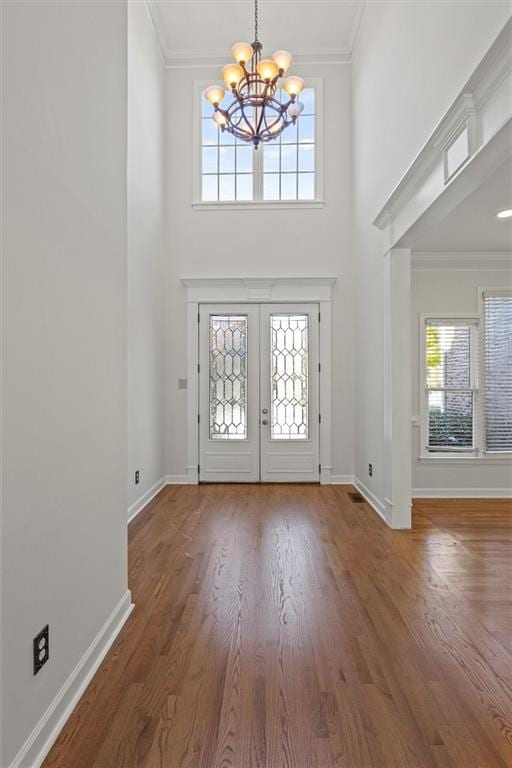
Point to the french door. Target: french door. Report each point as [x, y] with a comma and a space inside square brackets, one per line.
[258, 393]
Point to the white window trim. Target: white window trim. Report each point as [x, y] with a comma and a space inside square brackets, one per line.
[478, 454]
[244, 205]
[454, 455]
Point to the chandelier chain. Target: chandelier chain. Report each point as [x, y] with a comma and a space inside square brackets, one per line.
[256, 21]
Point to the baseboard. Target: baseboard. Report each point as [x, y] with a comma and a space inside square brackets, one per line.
[146, 497]
[462, 493]
[342, 479]
[42, 738]
[371, 498]
[178, 480]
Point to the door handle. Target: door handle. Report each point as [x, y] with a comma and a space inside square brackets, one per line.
[265, 422]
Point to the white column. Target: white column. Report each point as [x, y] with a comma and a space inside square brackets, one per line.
[397, 386]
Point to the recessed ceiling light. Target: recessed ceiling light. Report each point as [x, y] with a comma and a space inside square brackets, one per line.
[506, 214]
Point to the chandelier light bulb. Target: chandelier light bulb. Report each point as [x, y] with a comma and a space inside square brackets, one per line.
[232, 74]
[295, 109]
[293, 85]
[219, 118]
[214, 94]
[267, 69]
[283, 59]
[242, 52]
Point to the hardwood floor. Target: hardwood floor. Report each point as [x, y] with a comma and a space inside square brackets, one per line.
[285, 626]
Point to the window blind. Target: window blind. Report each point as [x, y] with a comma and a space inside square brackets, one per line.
[498, 371]
[451, 372]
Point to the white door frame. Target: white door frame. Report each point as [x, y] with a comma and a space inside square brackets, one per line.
[294, 290]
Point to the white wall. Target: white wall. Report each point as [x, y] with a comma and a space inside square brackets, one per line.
[400, 92]
[448, 292]
[260, 243]
[146, 191]
[63, 341]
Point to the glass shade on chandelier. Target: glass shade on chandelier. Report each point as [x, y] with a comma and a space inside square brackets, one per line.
[255, 113]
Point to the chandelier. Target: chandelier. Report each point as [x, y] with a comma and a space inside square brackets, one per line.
[256, 114]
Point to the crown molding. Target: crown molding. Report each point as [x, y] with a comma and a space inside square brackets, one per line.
[187, 58]
[453, 261]
[357, 25]
[157, 27]
[154, 30]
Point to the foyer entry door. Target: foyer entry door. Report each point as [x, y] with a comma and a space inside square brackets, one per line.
[258, 393]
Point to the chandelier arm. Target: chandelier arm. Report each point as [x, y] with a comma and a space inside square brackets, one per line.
[239, 133]
[241, 102]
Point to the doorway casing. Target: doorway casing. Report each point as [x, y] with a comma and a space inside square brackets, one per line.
[281, 290]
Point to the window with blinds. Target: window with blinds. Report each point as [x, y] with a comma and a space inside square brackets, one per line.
[451, 370]
[497, 310]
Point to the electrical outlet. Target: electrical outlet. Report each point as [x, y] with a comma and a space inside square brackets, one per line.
[370, 470]
[137, 477]
[41, 648]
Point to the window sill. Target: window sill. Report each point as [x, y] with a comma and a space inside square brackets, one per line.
[501, 459]
[251, 205]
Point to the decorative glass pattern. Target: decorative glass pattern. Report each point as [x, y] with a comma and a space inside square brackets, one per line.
[228, 377]
[289, 367]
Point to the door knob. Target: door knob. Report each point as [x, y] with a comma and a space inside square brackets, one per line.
[265, 422]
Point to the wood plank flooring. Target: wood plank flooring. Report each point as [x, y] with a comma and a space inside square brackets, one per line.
[287, 627]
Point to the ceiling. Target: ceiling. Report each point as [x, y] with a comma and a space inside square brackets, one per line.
[203, 31]
[472, 226]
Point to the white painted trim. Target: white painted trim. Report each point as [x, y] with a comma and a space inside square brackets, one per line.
[484, 105]
[258, 205]
[40, 741]
[357, 26]
[157, 25]
[372, 499]
[397, 388]
[462, 493]
[342, 480]
[474, 320]
[189, 58]
[154, 31]
[279, 290]
[138, 506]
[326, 377]
[453, 261]
[497, 460]
[180, 480]
[219, 290]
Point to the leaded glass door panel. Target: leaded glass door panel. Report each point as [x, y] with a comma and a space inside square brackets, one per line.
[258, 393]
[289, 434]
[229, 392]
